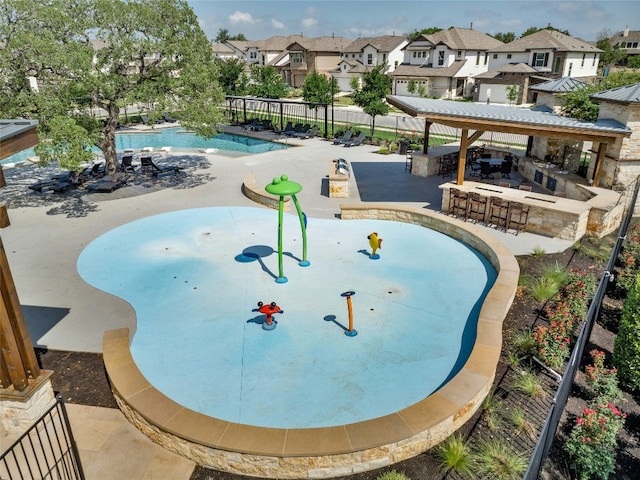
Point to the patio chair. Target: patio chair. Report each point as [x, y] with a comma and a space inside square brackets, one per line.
[345, 138]
[517, 217]
[297, 128]
[288, 128]
[476, 207]
[458, 202]
[251, 126]
[126, 165]
[356, 142]
[109, 183]
[149, 166]
[167, 118]
[506, 167]
[498, 209]
[264, 125]
[312, 132]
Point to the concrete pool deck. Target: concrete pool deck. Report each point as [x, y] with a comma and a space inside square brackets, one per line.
[65, 313]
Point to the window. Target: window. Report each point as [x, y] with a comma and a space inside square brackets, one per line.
[595, 57]
[495, 56]
[540, 59]
[441, 57]
[414, 54]
[584, 55]
[478, 58]
[297, 57]
[635, 45]
[556, 67]
[395, 64]
[570, 68]
[486, 57]
[384, 58]
[459, 54]
[508, 56]
[369, 58]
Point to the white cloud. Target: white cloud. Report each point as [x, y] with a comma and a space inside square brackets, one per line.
[241, 17]
[309, 22]
[276, 24]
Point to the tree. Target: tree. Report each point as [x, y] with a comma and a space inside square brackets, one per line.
[505, 37]
[233, 78]
[531, 30]
[222, 36]
[266, 82]
[318, 90]
[578, 103]
[425, 31]
[376, 85]
[512, 93]
[106, 54]
[412, 87]
[354, 83]
[633, 61]
[610, 55]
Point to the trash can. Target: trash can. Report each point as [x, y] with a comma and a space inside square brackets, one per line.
[403, 147]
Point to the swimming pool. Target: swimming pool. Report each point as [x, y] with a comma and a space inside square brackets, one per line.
[177, 138]
[200, 342]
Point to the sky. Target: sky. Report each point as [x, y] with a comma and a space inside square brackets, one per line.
[261, 19]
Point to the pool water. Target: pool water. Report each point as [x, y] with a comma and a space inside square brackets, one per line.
[177, 138]
[199, 339]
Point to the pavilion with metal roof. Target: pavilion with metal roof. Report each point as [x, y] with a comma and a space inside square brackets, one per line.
[479, 118]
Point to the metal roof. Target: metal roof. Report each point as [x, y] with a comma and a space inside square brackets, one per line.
[627, 94]
[13, 128]
[505, 118]
[559, 85]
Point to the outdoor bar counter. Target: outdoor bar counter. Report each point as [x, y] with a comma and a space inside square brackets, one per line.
[550, 215]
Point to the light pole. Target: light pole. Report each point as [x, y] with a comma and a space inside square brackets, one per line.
[331, 87]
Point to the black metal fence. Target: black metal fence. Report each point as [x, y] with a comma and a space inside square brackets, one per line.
[559, 402]
[46, 451]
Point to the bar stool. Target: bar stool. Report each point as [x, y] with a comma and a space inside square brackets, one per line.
[498, 210]
[476, 207]
[458, 202]
[517, 217]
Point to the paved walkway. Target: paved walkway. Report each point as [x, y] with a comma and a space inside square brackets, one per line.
[64, 313]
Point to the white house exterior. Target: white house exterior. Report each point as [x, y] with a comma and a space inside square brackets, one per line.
[546, 53]
[365, 53]
[444, 64]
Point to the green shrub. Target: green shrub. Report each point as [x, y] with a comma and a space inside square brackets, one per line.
[498, 461]
[626, 347]
[384, 151]
[538, 252]
[523, 343]
[557, 273]
[454, 454]
[524, 427]
[528, 383]
[593, 441]
[543, 288]
[392, 475]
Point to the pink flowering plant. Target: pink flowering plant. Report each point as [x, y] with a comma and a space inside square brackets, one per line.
[593, 441]
[629, 259]
[602, 381]
[568, 307]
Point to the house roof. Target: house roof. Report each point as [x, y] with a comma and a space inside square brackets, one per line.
[354, 66]
[277, 43]
[508, 68]
[547, 40]
[240, 45]
[321, 44]
[526, 121]
[632, 36]
[384, 43]
[221, 48]
[627, 94]
[405, 70]
[559, 85]
[457, 38]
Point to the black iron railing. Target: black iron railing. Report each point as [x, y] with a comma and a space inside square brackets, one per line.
[45, 451]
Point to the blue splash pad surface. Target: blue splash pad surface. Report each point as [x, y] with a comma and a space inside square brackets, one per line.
[194, 278]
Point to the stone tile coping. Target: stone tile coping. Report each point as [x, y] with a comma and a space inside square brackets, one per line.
[339, 450]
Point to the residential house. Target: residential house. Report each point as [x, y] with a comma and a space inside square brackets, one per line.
[223, 51]
[549, 54]
[627, 40]
[264, 52]
[361, 55]
[306, 55]
[239, 47]
[443, 64]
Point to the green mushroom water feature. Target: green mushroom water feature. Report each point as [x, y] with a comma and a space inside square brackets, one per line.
[281, 187]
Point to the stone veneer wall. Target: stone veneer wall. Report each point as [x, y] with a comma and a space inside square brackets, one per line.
[19, 412]
[343, 450]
